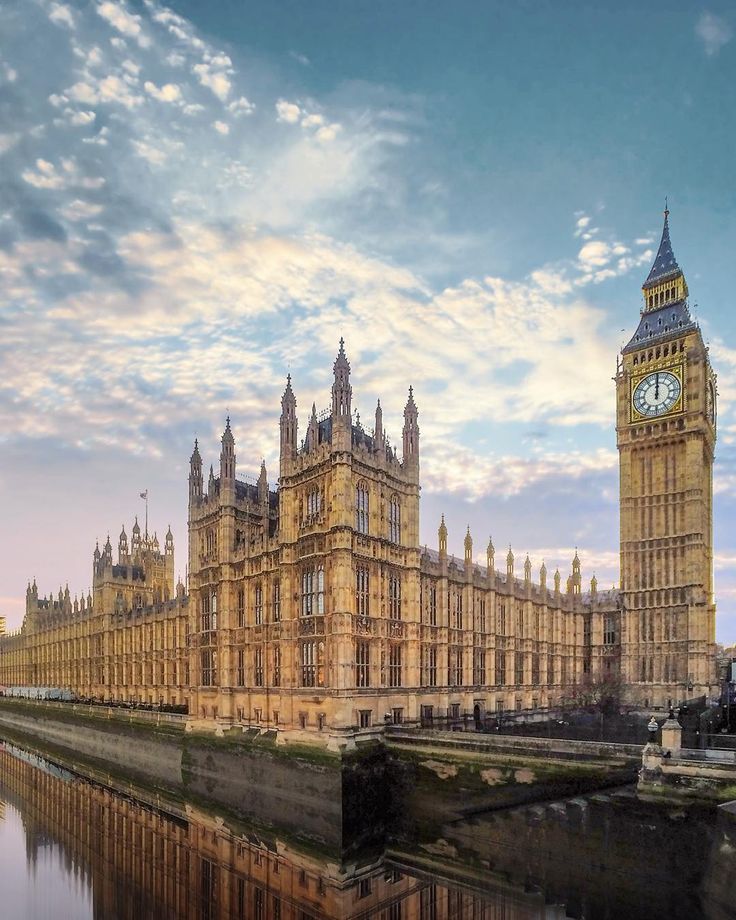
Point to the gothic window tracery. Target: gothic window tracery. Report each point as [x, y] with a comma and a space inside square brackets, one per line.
[361, 508]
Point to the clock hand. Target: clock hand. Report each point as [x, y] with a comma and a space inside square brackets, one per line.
[656, 387]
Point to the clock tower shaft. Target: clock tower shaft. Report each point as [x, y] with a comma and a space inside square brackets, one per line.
[666, 440]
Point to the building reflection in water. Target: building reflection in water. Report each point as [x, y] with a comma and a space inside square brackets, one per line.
[139, 859]
[107, 853]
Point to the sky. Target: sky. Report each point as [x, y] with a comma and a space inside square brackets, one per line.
[197, 199]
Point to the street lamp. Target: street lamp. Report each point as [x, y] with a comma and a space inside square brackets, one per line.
[652, 728]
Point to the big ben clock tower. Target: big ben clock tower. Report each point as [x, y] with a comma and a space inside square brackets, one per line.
[666, 432]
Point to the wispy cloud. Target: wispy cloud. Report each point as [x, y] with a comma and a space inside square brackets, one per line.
[713, 32]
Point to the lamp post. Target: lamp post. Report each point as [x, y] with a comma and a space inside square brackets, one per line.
[652, 728]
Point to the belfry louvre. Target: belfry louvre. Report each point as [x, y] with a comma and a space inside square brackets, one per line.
[313, 607]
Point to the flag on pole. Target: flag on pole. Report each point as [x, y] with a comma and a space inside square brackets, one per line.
[144, 495]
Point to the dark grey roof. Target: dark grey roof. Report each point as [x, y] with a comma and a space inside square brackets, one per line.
[665, 264]
[665, 322]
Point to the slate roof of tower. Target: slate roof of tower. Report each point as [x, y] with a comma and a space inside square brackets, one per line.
[667, 321]
[665, 264]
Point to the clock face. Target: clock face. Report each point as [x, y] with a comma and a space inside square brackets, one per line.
[656, 394]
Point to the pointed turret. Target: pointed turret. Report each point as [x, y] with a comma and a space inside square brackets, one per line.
[665, 297]
[312, 430]
[263, 484]
[442, 538]
[211, 489]
[510, 563]
[576, 578]
[527, 569]
[136, 544]
[342, 394]
[195, 475]
[665, 265]
[288, 422]
[169, 544]
[558, 578]
[593, 586]
[411, 433]
[490, 558]
[543, 576]
[227, 465]
[468, 545]
[379, 442]
[107, 551]
[123, 547]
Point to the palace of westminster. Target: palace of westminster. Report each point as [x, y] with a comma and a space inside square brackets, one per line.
[312, 607]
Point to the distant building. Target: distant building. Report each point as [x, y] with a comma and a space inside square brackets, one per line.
[313, 607]
[2, 626]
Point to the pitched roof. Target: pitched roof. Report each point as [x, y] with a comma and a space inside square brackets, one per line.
[665, 264]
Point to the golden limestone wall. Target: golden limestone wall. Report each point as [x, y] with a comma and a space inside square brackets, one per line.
[314, 608]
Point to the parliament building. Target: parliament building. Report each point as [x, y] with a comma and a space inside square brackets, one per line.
[311, 605]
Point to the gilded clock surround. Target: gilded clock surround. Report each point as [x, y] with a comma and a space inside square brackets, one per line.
[677, 371]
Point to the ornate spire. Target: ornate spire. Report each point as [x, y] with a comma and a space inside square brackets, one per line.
[468, 547]
[665, 264]
[342, 392]
[442, 537]
[288, 422]
[527, 568]
[411, 431]
[378, 440]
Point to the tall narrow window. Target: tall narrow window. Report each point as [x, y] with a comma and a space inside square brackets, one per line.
[240, 674]
[479, 667]
[258, 668]
[312, 663]
[276, 601]
[313, 591]
[394, 520]
[314, 503]
[432, 604]
[206, 615]
[394, 665]
[500, 667]
[362, 591]
[458, 609]
[394, 597]
[361, 508]
[362, 663]
[209, 667]
[241, 607]
[277, 666]
[258, 607]
[430, 666]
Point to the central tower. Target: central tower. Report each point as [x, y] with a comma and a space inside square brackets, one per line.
[666, 431]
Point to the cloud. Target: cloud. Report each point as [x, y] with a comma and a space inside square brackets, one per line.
[214, 79]
[61, 15]
[169, 92]
[713, 31]
[221, 127]
[241, 106]
[288, 112]
[126, 23]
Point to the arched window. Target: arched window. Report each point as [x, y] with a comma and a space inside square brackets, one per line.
[394, 520]
[312, 663]
[362, 591]
[313, 591]
[394, 597]
[314, 503]
[361, 508]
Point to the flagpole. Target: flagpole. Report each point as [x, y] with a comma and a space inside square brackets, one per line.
[146, 515]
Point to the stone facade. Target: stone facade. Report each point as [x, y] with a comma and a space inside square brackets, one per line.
[312, 606]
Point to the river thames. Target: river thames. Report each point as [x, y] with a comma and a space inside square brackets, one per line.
[76, 845]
